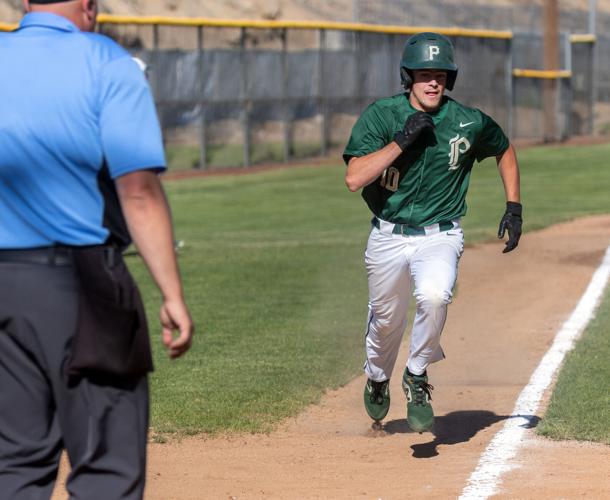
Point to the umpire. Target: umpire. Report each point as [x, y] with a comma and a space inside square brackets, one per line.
[74, 350]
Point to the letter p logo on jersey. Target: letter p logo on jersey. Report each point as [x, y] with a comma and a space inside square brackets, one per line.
[455, 150]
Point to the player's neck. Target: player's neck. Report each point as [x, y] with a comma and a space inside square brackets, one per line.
[418, 106]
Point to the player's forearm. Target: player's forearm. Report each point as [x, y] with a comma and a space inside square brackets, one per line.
[363, 170]
[508, 167]
[148, 218]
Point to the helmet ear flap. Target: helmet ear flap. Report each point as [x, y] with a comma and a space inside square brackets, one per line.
[451, 77]
[405, 78]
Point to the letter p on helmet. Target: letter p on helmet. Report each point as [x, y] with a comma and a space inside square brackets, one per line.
[433, 50]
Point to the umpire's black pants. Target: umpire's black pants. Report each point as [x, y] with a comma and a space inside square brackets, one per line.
[102, 427]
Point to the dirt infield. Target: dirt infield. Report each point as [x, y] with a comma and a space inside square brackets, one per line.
[503, 319]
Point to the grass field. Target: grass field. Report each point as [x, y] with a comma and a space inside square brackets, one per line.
[181, 157]
[273, 271]
[580, 405]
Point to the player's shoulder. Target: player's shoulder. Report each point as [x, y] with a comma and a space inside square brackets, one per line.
[387, 107]
[390, 103]
[468, 114]
[461, 110]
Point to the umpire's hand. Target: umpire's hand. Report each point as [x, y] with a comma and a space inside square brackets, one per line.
[511, 222]
[175, 317]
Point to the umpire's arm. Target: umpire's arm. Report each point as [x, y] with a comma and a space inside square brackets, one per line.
[149, 220]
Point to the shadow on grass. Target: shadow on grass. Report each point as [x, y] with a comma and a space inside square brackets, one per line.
[454, 428]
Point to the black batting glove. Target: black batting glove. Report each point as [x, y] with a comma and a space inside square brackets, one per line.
[511, 222]
[414, 126]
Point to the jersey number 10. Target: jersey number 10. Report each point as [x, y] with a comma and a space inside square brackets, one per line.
[389, 179]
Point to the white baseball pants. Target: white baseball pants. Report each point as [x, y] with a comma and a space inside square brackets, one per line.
[398, 266]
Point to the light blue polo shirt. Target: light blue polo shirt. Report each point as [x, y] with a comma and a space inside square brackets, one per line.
[68, 102]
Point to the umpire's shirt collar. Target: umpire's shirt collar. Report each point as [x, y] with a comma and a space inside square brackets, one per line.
[47, 20]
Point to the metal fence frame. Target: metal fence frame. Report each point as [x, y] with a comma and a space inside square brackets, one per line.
[513, 73]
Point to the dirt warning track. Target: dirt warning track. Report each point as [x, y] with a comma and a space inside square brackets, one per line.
[505, 314]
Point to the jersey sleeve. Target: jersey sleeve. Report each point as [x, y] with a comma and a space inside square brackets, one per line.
[129, 127]
[492, 141]
[369, 134]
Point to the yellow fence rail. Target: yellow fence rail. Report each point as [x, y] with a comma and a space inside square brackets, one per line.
[305, 25]
[583, 38]
[541, 74]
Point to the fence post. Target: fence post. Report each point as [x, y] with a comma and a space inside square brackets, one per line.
[322, 92]
[593, 58]
[245, 102]
[550, 86]
[285, 114]
[156, 72]
[389, 45]
[155, 60]
[155, 78]
[202, 110]
[569, 97]
[510, 90]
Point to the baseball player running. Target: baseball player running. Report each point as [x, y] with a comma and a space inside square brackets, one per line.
[412, 155]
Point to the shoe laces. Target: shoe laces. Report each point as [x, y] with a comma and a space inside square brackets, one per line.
[377, 392]
[422, 388]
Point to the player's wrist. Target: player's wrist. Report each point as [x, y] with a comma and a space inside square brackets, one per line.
[514, 208]
[402, 140]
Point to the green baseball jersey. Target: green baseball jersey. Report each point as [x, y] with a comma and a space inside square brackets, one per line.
[428, 182]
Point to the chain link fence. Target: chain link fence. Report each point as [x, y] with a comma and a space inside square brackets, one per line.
[243, 94]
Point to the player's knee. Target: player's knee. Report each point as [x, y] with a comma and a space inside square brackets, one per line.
[432, 296]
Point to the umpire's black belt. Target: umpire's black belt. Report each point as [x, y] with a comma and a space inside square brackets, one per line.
[408, 230]
[49, 256]
[58, 255]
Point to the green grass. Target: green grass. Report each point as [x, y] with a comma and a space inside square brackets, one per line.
[558, 183]
[580, 405]
[183, 157]
[273, 272]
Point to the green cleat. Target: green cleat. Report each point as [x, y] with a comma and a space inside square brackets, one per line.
[420, 416]
[377, 399]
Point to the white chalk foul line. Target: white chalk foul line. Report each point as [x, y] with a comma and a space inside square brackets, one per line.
[496, 459]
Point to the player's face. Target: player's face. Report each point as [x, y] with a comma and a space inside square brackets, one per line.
[427, 89]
